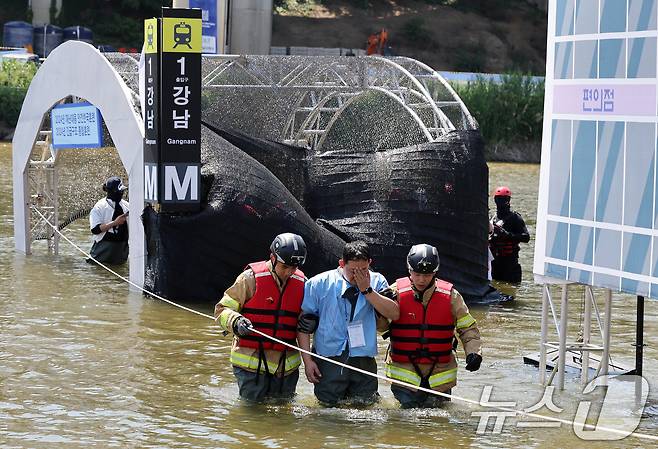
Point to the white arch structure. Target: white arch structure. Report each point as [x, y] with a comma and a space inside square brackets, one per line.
[76, 68]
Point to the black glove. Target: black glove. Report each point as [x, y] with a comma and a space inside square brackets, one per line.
[307, 323]
[473, 362]
[242, 327]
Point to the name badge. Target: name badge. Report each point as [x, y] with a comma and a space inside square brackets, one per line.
[355, 334]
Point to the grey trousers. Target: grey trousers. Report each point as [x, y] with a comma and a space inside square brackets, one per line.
[417, 399]
[257, 387]
[339, 384]
[109, 252]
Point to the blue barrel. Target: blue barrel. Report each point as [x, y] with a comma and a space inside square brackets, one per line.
[17, 34]
[78, 33]
[46, 38]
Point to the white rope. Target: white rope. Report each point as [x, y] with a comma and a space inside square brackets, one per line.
[117, 274]
[353, 368]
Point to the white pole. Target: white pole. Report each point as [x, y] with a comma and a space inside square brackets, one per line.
[222, 26]
[564, 313]
[544, 335]
[589, 297]
[55, 187]
[605, 357]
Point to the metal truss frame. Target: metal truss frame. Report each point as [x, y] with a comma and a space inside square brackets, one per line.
[328, 85]
[44, 192]
[583, 344]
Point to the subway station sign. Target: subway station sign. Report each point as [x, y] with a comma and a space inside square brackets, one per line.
[172, 115]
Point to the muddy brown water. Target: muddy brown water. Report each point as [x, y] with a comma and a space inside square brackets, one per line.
[86, 362]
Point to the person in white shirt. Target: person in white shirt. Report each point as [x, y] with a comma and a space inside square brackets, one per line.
[109, 226]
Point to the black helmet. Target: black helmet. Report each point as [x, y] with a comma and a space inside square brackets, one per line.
[114, 184]
[289, 249]
[423, 259]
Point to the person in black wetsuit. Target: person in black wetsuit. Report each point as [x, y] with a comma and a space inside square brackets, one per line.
[509, 230]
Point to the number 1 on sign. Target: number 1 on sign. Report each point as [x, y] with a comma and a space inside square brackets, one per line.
[181, 61]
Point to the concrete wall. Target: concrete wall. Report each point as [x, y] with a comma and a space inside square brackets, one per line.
[41, 11]
[250, 27]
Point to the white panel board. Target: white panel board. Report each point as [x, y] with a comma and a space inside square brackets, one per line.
[596, 220]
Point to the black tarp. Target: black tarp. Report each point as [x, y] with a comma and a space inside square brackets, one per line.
[196, 257]
[255, 188]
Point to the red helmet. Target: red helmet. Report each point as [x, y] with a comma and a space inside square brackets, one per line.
[503, 191]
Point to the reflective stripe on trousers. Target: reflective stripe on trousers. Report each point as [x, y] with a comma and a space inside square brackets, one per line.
[251, 363]
[411, 377]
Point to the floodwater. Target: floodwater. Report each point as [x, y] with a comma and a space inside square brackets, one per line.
[84, 361]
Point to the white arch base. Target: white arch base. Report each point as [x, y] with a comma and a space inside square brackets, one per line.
[77, 68]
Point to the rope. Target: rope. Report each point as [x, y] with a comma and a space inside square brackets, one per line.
[70, 219]
[353, 368]
[139, 287]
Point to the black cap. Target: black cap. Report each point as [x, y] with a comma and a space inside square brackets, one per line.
[423, 259]
[289, 249]
[114, 184]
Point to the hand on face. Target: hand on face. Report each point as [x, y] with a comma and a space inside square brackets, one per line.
[362, 278]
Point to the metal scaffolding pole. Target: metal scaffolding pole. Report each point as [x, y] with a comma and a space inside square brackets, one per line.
[587, 327]
[544, 334]
[564, 317]
[605, 357]
[639, 335]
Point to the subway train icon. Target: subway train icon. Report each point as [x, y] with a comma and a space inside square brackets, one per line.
[149, 35]
[182, 34]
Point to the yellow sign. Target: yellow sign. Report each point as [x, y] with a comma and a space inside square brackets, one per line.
[151, 36]
[180, 35]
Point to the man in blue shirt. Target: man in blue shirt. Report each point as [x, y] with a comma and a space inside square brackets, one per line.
[341, 306]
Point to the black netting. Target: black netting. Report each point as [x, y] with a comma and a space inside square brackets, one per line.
[433, 193]
[334, 149]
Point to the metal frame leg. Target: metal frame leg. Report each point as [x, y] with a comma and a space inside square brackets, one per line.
[587, 328]
[544, 335]
[605, 357]
[564, 314]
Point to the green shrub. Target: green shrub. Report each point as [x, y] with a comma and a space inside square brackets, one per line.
[414, 30]
[15, 78]
[470, 57]
[510, 111]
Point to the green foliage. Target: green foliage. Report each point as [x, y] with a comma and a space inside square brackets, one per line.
[470, 57]
[119, 22]
[302, 7]
[14, 10]
[15, 78]
[508, 112]
[414, 30]
[493, 9]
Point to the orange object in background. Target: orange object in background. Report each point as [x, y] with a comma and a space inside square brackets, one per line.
[377, 43]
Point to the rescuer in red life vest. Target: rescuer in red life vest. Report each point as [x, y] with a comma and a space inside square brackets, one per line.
[421, 352]
[266, 296]
[509, 230]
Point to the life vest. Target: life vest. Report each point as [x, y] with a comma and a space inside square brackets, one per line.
[502, 246]
[423, 334]
[272, 312]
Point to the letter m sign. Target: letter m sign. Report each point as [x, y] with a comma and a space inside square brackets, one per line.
[181, 183]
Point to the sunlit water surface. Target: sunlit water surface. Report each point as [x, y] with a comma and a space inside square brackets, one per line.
[84, 361]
